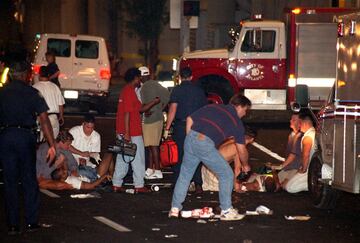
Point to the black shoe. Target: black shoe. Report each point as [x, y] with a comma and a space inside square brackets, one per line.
[32, 227]
[14, 230]
[244, 176]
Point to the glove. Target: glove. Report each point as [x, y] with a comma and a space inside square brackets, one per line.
[166, 133]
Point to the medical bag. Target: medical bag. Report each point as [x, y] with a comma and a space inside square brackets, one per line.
[169, 154]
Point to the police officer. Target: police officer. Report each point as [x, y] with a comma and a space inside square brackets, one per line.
[20, 104]
[184, 100]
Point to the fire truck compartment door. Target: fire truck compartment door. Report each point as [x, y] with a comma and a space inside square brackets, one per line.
[346, 155]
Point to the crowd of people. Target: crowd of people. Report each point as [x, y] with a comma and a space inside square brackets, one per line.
[211, 138]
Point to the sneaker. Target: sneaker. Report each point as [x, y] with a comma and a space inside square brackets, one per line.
[206, 213]
[230, 215]
[149, 172]
[157, 174]
[174, 213]
[118, 189]
[142, 190]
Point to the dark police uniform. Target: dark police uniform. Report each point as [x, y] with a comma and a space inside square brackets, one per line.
[189, 98]
[19, 106]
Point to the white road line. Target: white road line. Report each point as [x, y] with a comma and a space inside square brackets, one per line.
[49, 193]
[112, 224]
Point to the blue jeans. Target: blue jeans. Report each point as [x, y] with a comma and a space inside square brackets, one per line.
[201, 148]
[88, 172]
[138, 165]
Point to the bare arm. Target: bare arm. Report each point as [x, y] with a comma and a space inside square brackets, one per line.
[61, 115]
[171, 115]
[243, 156]
[189, 123]
[53, 185]
[306, 144]
[49, 136]
[151, 104]
[89, 186]
[74, 150]
[55, 75]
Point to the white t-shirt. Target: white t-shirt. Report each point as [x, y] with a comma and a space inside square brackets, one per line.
[51, 94]
[85, 143]
[74, 181]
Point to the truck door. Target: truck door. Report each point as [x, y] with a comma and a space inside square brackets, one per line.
[62, 49]
[86, 64]
[261, 67]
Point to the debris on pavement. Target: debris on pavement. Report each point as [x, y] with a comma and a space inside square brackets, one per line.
[263, 210]
[155, 229]
[201, 221]
[86, 195]
[186, 214]
[46, 225]
[171, 236]
[298, 217]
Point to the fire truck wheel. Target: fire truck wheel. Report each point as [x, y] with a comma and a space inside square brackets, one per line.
[323, 196]
[214, 84]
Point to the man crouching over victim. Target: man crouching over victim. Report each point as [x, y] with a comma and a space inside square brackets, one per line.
[207, 128]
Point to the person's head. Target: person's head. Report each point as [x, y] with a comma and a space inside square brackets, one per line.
[59, 174]
[88, 124]
[241, 103]
[270, 184]
[19, 70]
[306, 122]
[185, 74]
[64, 140]
[294, 122]
[133, 76]
[145, 73]
[50, 57]
[43, 73]
[250, 135]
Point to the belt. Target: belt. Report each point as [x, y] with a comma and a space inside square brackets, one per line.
[53, 113]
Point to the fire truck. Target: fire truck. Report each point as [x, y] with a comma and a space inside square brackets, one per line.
[269, 58]
[335, 167]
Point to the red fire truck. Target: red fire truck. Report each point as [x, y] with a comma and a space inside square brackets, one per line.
[269, 58]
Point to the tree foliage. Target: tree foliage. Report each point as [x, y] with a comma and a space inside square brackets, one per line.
[145, 19]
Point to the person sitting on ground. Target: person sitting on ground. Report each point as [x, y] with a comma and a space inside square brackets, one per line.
[61, 174]
[228, 150]
[53, 98]
[298, 182]
[86, 145]
[65, 159]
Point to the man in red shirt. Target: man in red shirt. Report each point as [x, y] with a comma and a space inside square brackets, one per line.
[128, 123]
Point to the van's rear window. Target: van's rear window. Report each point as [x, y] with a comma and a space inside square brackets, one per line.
[87, 49]
[60, 47]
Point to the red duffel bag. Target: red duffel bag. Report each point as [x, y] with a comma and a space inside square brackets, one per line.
[169, 154]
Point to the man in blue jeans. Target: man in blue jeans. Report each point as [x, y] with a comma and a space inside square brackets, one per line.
[206, 129]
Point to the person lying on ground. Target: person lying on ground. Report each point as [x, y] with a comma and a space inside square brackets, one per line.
[61, 175]
[258, 183]
[229, 152]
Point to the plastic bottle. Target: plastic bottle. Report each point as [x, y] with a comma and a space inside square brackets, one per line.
[131, 191]
[155, 188]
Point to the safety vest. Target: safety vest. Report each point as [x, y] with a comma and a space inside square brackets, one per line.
[4, 77]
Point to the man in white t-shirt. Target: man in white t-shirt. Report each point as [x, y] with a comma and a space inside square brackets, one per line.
[86, 143]
[53, 98]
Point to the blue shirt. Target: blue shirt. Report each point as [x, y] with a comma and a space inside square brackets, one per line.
[189, 98]
[20, 104]
[219, 122]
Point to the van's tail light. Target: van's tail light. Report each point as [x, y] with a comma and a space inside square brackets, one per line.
[36, 68]
[105, 73]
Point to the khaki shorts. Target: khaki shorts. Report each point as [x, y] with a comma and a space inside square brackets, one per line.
[152, 133]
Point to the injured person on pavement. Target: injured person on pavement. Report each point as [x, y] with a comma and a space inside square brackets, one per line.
[229, 152]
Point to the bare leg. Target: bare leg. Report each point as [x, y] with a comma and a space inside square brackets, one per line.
[154, 150]
[106, 164]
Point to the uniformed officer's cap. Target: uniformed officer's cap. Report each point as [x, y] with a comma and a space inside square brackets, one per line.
[19, 67]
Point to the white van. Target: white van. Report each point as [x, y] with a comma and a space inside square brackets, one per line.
[83, 62]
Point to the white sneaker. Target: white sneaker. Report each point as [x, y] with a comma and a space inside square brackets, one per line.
[156, 175]
[174, 213]
[149, 172]
[230, 215]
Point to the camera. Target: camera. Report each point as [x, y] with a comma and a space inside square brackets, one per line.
[123, 147]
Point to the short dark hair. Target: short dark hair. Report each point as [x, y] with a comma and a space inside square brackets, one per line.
[43, 72]
[64, 136]
[240, 100]
[250, 132]
[185, 73]
[89, 118]
[55, 175]
[305, 116]
[131, 73]
[270, 184]
[50, 53]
